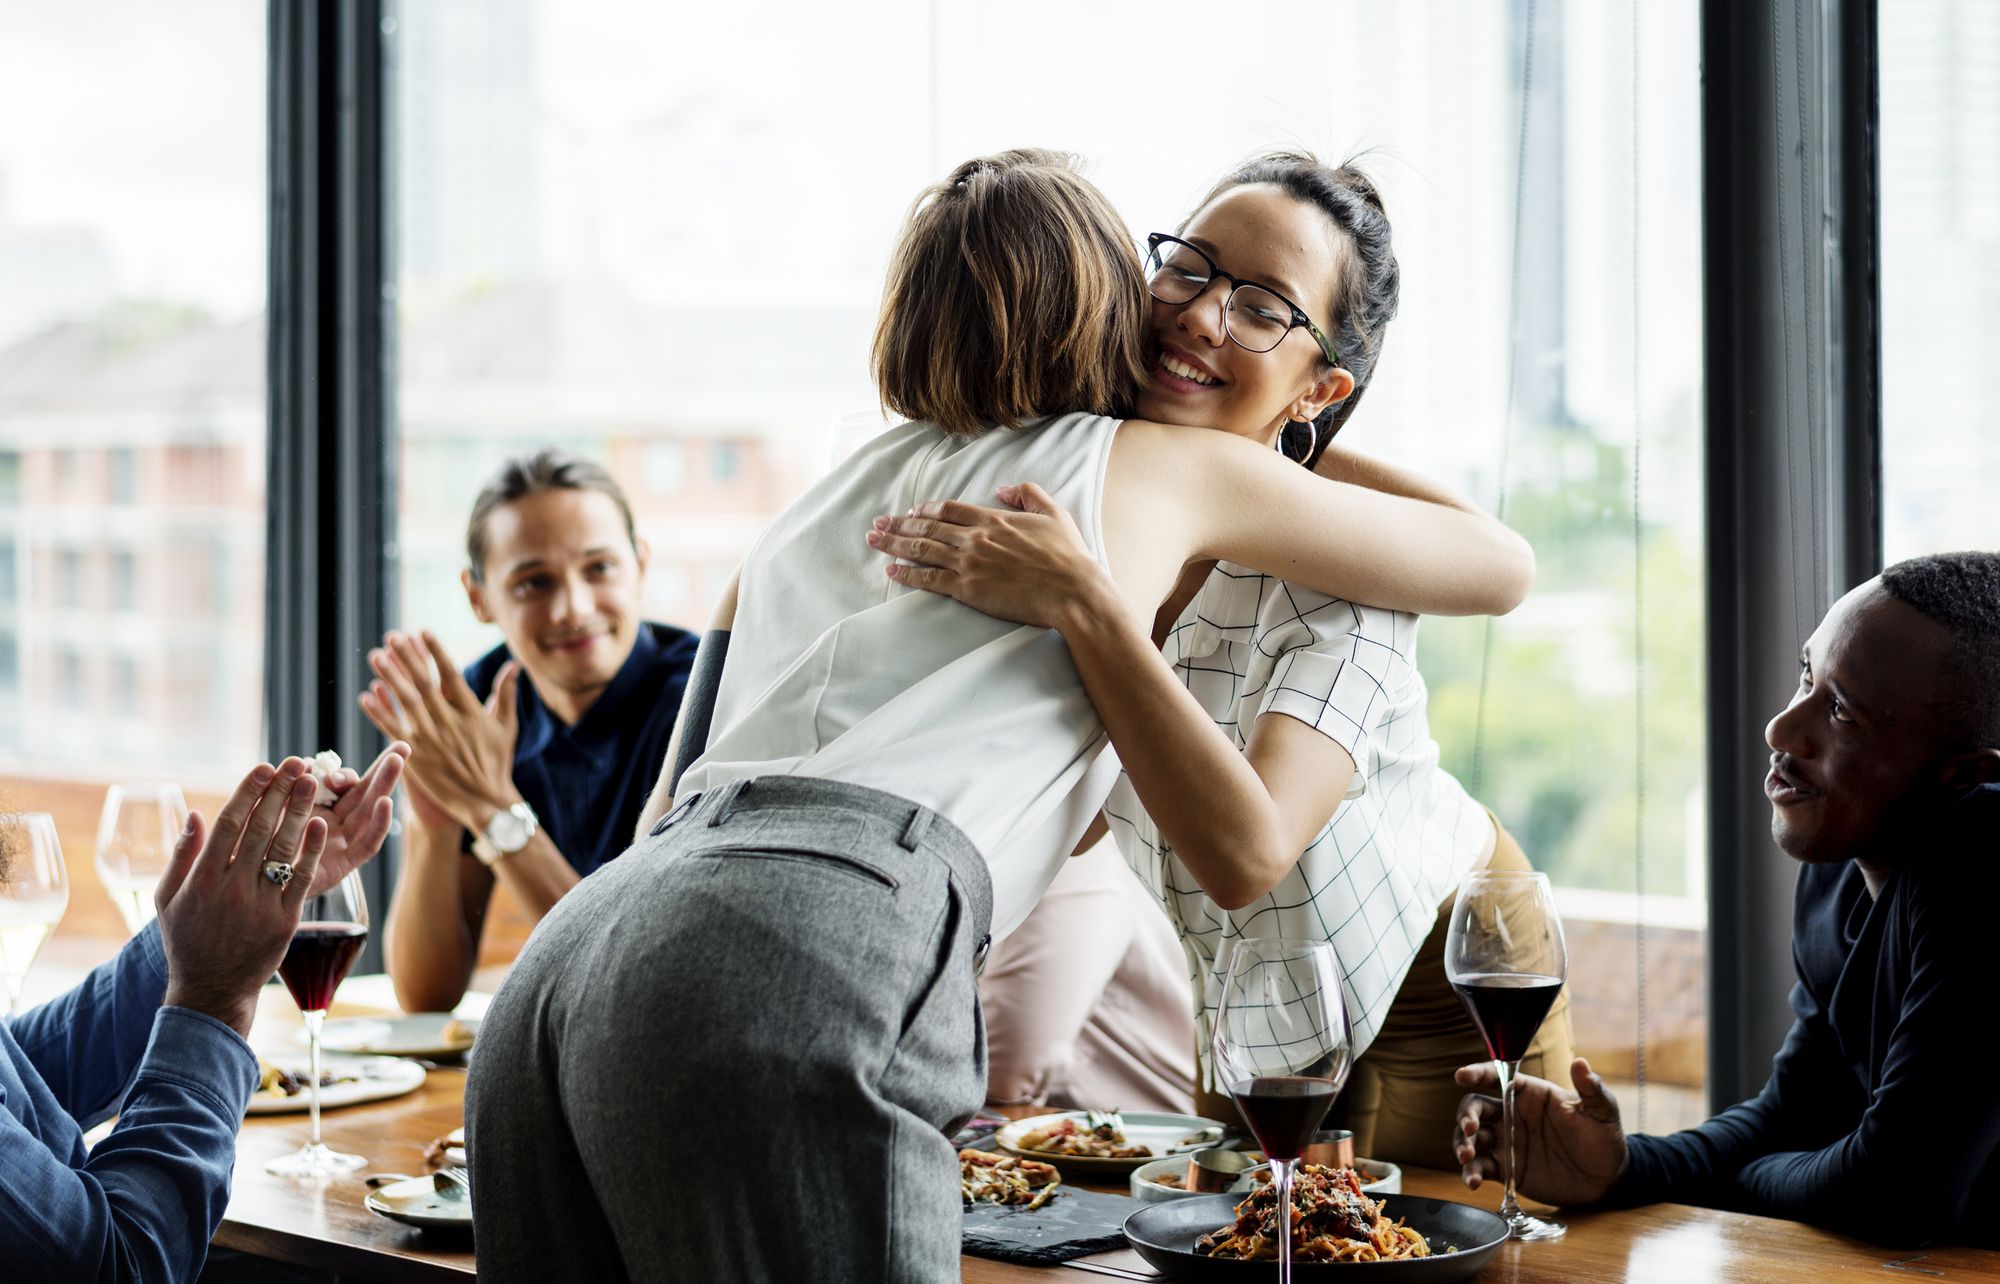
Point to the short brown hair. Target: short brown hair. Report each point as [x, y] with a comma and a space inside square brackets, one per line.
[1014, 292]
[525, 475]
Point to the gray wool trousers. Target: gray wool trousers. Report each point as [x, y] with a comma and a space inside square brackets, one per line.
[736, 1052]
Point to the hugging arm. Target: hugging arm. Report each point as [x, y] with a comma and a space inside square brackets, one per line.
[1237, 820]
[1426, 552]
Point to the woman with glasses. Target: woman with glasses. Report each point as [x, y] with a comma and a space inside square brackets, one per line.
[788, 958]
[1269, 309]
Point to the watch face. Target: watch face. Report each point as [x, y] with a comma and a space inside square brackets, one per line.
[507, 831]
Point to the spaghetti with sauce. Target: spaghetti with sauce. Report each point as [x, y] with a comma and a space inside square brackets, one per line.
[1332, 1221]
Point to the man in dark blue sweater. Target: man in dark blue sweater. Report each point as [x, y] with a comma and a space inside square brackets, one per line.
[1880, 1118]
[530, 768]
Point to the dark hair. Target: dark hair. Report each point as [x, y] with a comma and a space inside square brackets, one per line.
[1368, 285]
[1014, 292]
[525, 475]
[1962, 592]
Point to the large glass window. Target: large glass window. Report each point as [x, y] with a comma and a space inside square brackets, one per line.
[131, 341]
[1940, 113]
[678, 274]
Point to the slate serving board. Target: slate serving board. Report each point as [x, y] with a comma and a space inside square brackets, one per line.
[1073, 1224]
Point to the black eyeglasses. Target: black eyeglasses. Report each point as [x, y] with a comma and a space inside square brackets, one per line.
[1256, 317]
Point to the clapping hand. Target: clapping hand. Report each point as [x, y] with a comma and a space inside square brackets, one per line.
[1569, 1146]
[461, 751]
[359, 817]
[225, 924]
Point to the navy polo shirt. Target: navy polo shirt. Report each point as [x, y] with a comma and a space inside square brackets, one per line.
[588, 783]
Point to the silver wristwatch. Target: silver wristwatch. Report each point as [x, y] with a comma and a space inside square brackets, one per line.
[507, 833]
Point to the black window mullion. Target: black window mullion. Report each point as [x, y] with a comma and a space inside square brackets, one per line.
[1791, 307]
[330, 515]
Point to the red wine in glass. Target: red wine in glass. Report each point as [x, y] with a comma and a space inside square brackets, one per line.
[333, 926]
[1283, 1110]
[1508, 1008]
[1283, 1049]
[317, 960]
[1505, 957]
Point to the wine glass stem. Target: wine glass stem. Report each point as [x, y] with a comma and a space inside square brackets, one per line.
[313, 1020]
[1509, 1208]
[1281, 1178]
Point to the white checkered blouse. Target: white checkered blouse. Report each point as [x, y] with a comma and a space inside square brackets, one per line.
[1372, 881]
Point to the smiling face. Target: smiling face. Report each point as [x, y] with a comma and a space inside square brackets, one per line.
[563, 581]
[1858, 747]
[1197, 376]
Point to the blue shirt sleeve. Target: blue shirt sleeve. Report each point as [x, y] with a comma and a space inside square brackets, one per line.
[1898, 1163]
[144, 1203]
[1906, 1173]
[1700, 1165]
[87, 1044]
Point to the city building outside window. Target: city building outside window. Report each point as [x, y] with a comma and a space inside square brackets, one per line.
[132, 265]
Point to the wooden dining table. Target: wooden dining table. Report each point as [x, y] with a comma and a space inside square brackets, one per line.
[323, 1225]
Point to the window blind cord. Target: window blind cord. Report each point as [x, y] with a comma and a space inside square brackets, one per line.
[1513, 364]
[1638, 621]
[1785, 300]
[1808, 244]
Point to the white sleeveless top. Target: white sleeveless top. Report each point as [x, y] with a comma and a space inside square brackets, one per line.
[836, 671]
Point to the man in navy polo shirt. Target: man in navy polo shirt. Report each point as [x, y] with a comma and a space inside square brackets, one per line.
[531, 768]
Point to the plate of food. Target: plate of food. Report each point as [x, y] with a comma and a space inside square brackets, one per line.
[438, 1202]
[343, 1081]
[1019, 1210]
[988, 1178]
[1168, 1178]
[1409, 1237]
[421, 1034]
[1106, 1141]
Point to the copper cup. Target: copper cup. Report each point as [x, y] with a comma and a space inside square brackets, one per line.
[1330, 1148]
[1215, 1170]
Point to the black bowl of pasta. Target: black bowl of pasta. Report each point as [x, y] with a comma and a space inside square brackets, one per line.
[1457, 1239]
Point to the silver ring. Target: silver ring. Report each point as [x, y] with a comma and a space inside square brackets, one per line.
[278, 872]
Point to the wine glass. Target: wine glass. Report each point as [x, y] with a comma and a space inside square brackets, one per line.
[34, 892]
[330, 934]
[135, 841]
[1504, 956]
[1282, 1052]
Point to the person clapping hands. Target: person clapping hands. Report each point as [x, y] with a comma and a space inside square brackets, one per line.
[157, 1036]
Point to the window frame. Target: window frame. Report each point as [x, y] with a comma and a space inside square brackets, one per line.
[1792, 409]
[331, 471]
[1792, 310]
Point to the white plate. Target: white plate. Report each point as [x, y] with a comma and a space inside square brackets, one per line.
[430, 1202]
[420, 1034]
[1152, 1129]
[1382, 1178]
[379, 1078]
